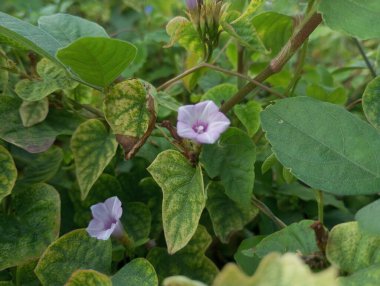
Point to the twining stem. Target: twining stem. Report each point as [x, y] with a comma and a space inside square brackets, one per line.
[319, 198]
[87, 107]
[240, 65]
[265, 210]
[219, 69]
[366, 59]
[276, 64]
[351, 105]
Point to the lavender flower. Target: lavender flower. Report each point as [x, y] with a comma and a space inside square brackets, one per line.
[148, 9]
[202, 122]
[106, 219]
[192, 4]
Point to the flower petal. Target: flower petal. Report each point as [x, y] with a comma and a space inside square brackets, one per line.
[185, 130]
[205, 110]
[100, 212]
[206, 138]
[114, 207]
[186, 114]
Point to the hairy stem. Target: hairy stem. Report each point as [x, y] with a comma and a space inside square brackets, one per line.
[276, 64]
[319, 197]
[219, 69]
[265, 210]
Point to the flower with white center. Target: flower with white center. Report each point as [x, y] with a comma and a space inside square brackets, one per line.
[106, 220]
[202, 122]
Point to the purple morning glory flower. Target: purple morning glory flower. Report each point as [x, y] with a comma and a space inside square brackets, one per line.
[148, 9]
[106, 220]
[192, 4]
[202, 122]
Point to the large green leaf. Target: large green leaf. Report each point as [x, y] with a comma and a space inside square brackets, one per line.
[8, 173]
[189, 261]
[53, 78]
[34, 112]
[364, 21]
[297, 238]
[350, 249]
[67, 28]
[181, 30]
[184, 197]
[242, 27]
[75, 250]
[324, 145]
[129, 107]
[37, 138]
[232, 159]
[93, 148]
[371, 102]
[365, 218]
[28, 36]
[96, 60]
[275, 270]
[274, 29]
[226, 215]
[138, 272]
[245, 257]
[88, 278]
[31, 227]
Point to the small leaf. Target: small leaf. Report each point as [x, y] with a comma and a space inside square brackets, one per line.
[364, 21]
[232, 159]
[138, 272]
[68, 28]
[249, 115]
[242, 28]
[268, 163]
[220, 93]
[34, 224]
[371, 102]
[274, 29]
[274, 270]
[88, 278]
[28, 36]
[297, 238]
[325, 146]
[33, 112]
[366, 215]
[129, 106]
[97, 61]
[184, 197]
[350, 249]
[93, 148]
[246, 257]
[181, 30]
[337, 95]
[226, 215]
[53, 78]
[8, 173]
[189, 261]
[25, 274]
[75, 250]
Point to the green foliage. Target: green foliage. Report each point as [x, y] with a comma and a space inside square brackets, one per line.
[74, 250]
[337, 158]
[97, 60]
[53, 79]
[286, 270]
[232, 159]
[363, 22]
[371, 102]
[189, 261]
[93, 148]
[365, 217]
[31, 227]
[34, 112]
[350, 249]
[184, 197]
[226, 215]
[88, 277]
[220, 93]
[249, 116]
[138, 272]
[8, 173]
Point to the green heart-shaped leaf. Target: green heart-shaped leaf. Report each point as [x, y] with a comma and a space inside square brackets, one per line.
[8, 173]
[184, 197]
[93, 148]
[34, 224]
[138, 272]
[34, 112]
[88, 278]
[75, 250]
